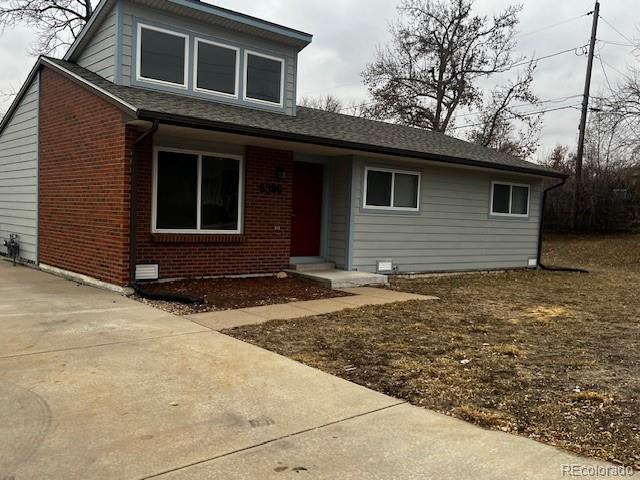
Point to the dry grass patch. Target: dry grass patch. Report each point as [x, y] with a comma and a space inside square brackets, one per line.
[551, 356]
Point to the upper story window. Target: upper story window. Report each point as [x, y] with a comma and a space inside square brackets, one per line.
[509, 199]
[264, 78]
[386, 189]
[162, 56]
[216, 68]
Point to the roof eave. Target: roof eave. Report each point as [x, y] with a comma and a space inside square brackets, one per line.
[179, 120]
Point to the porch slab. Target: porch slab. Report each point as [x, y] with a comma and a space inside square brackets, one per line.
[341, 279]
[361, 297]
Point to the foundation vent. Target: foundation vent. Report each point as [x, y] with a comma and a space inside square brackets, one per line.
[147, 272]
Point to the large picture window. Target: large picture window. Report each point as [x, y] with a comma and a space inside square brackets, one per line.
[197, 192]
[162, 56]
[509, 199]
[216, 68]
[386, 189]
[264, 77]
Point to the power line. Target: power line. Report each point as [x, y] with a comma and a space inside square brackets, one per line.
[540, 102]
[616, 30]
[606, 78]
[524, 114]
[542, 29]
[551, 55]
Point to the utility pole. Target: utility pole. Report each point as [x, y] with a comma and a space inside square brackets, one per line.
[577, 193]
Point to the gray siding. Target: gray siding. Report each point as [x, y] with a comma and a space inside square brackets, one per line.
[19, 174]
[132, 14]
[453, 229]
[99, 54]
[339, 211]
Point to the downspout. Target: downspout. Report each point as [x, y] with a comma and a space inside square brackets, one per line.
[541, 266]
[133, 211]
[133, 231]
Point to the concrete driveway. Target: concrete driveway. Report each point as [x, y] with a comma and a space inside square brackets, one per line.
[96, 386]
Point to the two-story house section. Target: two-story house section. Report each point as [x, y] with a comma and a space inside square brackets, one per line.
[167, 144]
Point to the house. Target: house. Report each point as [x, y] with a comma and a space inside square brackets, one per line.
[167, 143]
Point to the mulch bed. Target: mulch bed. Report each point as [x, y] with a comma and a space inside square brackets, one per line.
[232, 293]
[551, 356]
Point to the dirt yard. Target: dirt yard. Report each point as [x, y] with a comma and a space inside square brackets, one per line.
[552, 356]
[231, 293]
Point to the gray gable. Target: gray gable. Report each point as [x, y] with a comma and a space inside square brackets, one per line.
[308, 126]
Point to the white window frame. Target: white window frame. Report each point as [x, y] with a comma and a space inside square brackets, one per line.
[510, 185]
[246, 73]
[196, 49]
[198, 230]
[393, 172]
[139, 76]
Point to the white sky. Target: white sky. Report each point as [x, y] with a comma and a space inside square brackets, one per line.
[347, 32]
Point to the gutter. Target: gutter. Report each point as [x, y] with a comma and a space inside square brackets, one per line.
[541, 266]
[184, 121]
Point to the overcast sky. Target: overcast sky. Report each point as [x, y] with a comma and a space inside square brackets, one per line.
[346, 33]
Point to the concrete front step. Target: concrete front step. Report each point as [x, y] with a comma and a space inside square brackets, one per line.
[339, 279]
[312, 267]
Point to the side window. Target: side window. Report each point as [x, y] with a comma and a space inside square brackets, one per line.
[509, 199]
[216, 68]
[263, 78]
[386, 189]
[162, 56]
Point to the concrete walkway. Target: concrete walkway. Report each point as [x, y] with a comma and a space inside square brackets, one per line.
[361, 296]
[97, 386]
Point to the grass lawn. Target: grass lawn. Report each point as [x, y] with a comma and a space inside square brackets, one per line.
[552, 356]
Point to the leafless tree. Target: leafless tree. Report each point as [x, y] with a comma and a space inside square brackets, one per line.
[440, 50]
[329, 103]
[499, 118]
[334, 104]
[56, 22]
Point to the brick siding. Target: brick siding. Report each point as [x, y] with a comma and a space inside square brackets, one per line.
[264, 245]
[84, 175]
[84, 182]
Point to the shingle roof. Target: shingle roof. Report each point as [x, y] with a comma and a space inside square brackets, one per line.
[308, 125]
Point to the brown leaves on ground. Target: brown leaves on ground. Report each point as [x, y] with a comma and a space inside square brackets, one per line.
[552, 356]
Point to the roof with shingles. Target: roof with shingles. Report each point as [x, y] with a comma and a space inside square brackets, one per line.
[309, 125]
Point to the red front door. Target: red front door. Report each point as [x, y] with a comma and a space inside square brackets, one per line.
[307, 209]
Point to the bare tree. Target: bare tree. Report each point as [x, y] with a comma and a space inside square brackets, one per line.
[496, 126]
[329, 103]
[56, 22]
[431, 69]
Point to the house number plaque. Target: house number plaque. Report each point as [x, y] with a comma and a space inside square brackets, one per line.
[271, 188]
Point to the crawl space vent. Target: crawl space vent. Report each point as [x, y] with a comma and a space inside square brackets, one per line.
[384, 266]
[147, 272]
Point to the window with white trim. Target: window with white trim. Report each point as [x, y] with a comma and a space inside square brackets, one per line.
[263, 78]
[387, 189]
[197, 192]
[162, 56]
[509, 199]
[216, 68]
